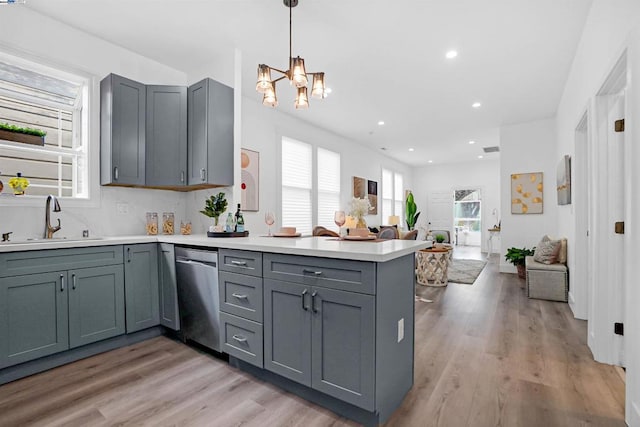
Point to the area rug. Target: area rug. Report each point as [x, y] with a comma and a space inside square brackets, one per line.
[465, 270]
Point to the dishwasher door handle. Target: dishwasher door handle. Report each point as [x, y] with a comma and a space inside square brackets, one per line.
[192, 262]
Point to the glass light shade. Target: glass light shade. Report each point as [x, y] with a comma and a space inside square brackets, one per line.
[298, 73]
[269, 98]
[264, 78]
[302, 101]
[318, 86]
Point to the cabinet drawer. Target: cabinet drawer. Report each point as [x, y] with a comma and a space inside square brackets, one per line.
[242, 338]
[243, 262]
[346, 275]
[241, 295]
[30, 262]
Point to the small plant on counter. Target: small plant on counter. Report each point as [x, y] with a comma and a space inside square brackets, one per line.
[18, 129]
[215, 206]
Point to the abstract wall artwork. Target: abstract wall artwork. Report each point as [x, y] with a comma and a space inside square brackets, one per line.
[372, 193]
[526, 193]
[564, 181]
[359, 187]
[250, 165]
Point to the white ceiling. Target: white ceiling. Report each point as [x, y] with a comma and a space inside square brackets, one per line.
[384, 60]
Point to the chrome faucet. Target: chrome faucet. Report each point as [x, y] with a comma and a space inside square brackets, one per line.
[48, 229]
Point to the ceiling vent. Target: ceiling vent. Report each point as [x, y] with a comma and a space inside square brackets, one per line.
[491, 149]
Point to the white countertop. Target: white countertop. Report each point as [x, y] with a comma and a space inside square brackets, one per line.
[327, 247]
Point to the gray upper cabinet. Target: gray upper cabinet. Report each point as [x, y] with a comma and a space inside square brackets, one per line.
[166, 136]
[122, 131]
[169, 314]
[96, 304]
[141, 286]
[210, 134]
[33, 317]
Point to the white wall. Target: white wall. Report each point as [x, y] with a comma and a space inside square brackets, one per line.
[262, 131]
[524, 148]
[53, 43]
[611, 27]
[483, 174]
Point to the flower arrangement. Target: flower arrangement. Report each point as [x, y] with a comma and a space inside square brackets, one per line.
[358, 208]
[18, 184]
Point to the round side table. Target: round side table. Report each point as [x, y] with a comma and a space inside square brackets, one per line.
[433, 265]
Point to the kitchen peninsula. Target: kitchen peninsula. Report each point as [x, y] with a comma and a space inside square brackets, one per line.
[329, 320]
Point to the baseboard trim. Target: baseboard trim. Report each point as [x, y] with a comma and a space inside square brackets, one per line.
[32, 367]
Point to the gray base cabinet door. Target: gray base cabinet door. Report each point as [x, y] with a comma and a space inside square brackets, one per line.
[141, 286]
[343, 346]
[96, 304]
[287, 330]
[33, 317]
[169, 313]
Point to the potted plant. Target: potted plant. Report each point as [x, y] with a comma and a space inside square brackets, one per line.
[440, 241]
[215, 206]
[19, 134]
[411, 208]
[517, 257]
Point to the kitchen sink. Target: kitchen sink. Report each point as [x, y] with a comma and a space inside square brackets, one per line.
[55, 239]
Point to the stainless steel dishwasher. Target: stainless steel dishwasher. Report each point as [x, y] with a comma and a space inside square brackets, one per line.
[197, 276]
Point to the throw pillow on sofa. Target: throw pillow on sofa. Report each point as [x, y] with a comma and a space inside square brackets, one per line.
[547, 251]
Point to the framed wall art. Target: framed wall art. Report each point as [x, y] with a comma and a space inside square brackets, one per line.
[564, 181]
[250, 176]
[372, 194]
[526, 193]
[359, 187]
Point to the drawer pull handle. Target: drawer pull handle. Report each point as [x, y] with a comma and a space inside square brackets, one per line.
[239, 296]
[239, 338]
[304, 307]
[313, 302]
[241, 263]
[314, 272]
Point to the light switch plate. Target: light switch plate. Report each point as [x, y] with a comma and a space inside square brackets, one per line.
[400, 329]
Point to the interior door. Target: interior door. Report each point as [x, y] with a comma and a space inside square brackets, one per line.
[440, 210]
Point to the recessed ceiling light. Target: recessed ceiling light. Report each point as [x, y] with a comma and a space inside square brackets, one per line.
[380, 123]
[476, 105]
[430, 161]
[472, 142]
[480, 157]
[451, 54]
[411, 149]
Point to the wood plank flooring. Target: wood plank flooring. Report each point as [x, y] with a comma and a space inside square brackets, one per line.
[486, 355]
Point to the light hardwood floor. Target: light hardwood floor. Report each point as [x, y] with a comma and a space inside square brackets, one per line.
[486, 355]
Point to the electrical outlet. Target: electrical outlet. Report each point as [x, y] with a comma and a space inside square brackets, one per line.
[400, 329]
[122, 208]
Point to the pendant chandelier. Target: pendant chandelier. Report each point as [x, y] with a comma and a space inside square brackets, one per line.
[296, 74]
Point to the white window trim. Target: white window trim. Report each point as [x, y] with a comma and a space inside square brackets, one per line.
[401, 214]
[91, 129]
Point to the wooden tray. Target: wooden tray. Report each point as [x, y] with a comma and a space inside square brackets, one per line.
[225, 234]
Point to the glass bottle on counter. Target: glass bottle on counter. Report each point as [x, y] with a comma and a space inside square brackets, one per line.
[237, 217]
[240, 222]
[230, 224]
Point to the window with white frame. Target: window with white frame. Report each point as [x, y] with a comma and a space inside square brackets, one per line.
[306, 201]
[328, 172]
[38, 97]
[392, 196]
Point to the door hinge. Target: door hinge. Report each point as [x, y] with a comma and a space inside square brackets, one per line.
[619, 125]
[619, 227]
[618, 328]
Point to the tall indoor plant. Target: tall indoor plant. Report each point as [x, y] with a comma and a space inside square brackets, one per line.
[411, 208]
[517, 257]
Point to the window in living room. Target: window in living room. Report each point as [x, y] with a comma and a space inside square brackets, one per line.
[392, 196]
[466, 217]
[44, 99]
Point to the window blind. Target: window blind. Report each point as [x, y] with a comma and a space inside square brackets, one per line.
[328, 186]
[399, 197]
[296, 169]
[387, 195]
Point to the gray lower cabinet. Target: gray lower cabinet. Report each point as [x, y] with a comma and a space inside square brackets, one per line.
[166, 143]
[169, 313]
[34, 317]
[322, 338]
[122, 131]
[141, 286]
[210, 134]
[96, 304]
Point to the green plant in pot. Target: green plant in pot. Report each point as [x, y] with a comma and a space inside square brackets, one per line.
[517, 257]
[215, 206]
[411, 208]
